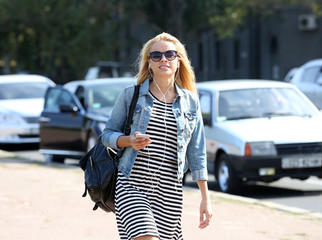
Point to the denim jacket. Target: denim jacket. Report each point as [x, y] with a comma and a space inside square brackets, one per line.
[191, 149]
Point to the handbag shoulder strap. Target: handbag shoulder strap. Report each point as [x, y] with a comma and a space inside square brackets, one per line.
[129, 119]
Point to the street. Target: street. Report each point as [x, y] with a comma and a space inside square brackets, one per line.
[43, 201]
[289, 192]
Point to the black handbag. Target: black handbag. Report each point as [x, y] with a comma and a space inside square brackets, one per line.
[100, 167]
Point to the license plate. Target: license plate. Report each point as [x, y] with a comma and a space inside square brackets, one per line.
[302, 161]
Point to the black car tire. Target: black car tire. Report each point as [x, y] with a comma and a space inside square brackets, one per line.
[54, 158]
[226, 177]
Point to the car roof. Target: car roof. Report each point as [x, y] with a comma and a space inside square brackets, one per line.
[17, 78]
[313, 62]
[219, 85]
[91, 82]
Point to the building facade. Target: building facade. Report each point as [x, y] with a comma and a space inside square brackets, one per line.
[266, 49]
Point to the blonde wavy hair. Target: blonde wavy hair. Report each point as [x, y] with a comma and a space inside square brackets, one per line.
[186, 76]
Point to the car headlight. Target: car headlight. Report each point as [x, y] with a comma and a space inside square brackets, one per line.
[260, 149]
[10, 118]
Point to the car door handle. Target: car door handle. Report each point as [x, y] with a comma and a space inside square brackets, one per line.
[44, 119]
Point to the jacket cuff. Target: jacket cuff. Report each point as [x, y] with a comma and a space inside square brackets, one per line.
[113, 140]
[199, 175]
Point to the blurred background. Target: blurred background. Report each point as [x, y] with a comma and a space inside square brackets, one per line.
[75, 39]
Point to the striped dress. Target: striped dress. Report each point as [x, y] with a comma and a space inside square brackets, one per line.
[150, 201]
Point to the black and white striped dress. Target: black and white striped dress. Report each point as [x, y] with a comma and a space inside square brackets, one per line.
[150, 201]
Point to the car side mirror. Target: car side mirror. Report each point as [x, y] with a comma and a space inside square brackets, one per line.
[68, 108]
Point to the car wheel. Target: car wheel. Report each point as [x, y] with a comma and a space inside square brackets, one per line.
[226, 176]
[91, 141]
[53, 158]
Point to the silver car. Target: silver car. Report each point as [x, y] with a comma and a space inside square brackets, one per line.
[21, 102]
[259, 130]
[308, 78]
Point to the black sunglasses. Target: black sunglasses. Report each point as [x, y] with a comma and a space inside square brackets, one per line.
[157, 56]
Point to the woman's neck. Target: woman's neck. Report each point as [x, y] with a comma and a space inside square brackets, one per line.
[163, 83]
[163, 89]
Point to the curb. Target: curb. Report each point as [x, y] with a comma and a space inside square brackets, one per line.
[269, 204]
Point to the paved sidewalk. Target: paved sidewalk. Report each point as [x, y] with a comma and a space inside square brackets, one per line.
[43, 202]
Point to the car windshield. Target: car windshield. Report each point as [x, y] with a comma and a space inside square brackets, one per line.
[101, 98]
[23, 90]
[261, 102]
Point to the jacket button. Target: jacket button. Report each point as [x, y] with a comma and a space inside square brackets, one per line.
[181, 147]
[181, 130]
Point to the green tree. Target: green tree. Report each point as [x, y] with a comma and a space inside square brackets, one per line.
[54, 36]
[62, 38]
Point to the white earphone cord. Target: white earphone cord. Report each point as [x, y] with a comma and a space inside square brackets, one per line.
[166, 130]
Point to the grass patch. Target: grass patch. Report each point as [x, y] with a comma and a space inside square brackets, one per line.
[262, 232]
[300, 234]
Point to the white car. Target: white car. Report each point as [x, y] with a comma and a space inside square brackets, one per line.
[259, 130]
[308, 78]
[21, 102]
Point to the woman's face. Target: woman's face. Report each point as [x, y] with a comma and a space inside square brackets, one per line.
[164, 67]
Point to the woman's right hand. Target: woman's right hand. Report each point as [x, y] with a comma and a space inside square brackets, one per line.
[139, 143]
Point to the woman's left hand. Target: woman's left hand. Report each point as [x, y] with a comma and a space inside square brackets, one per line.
[205, 213]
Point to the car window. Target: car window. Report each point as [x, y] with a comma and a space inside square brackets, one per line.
[205, 105]
[56, 97]
[103, 97]
[223, 107]
[261, 102]
[311, 74]
[23, 90]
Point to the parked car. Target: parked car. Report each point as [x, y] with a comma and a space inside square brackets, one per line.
[75, 114]
[21, 102]
[104, 69]
[308, 78]
[259, 130]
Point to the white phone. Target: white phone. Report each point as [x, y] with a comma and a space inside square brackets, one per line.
[145, 136]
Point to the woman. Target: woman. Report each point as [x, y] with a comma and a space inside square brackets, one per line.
[148, 196]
